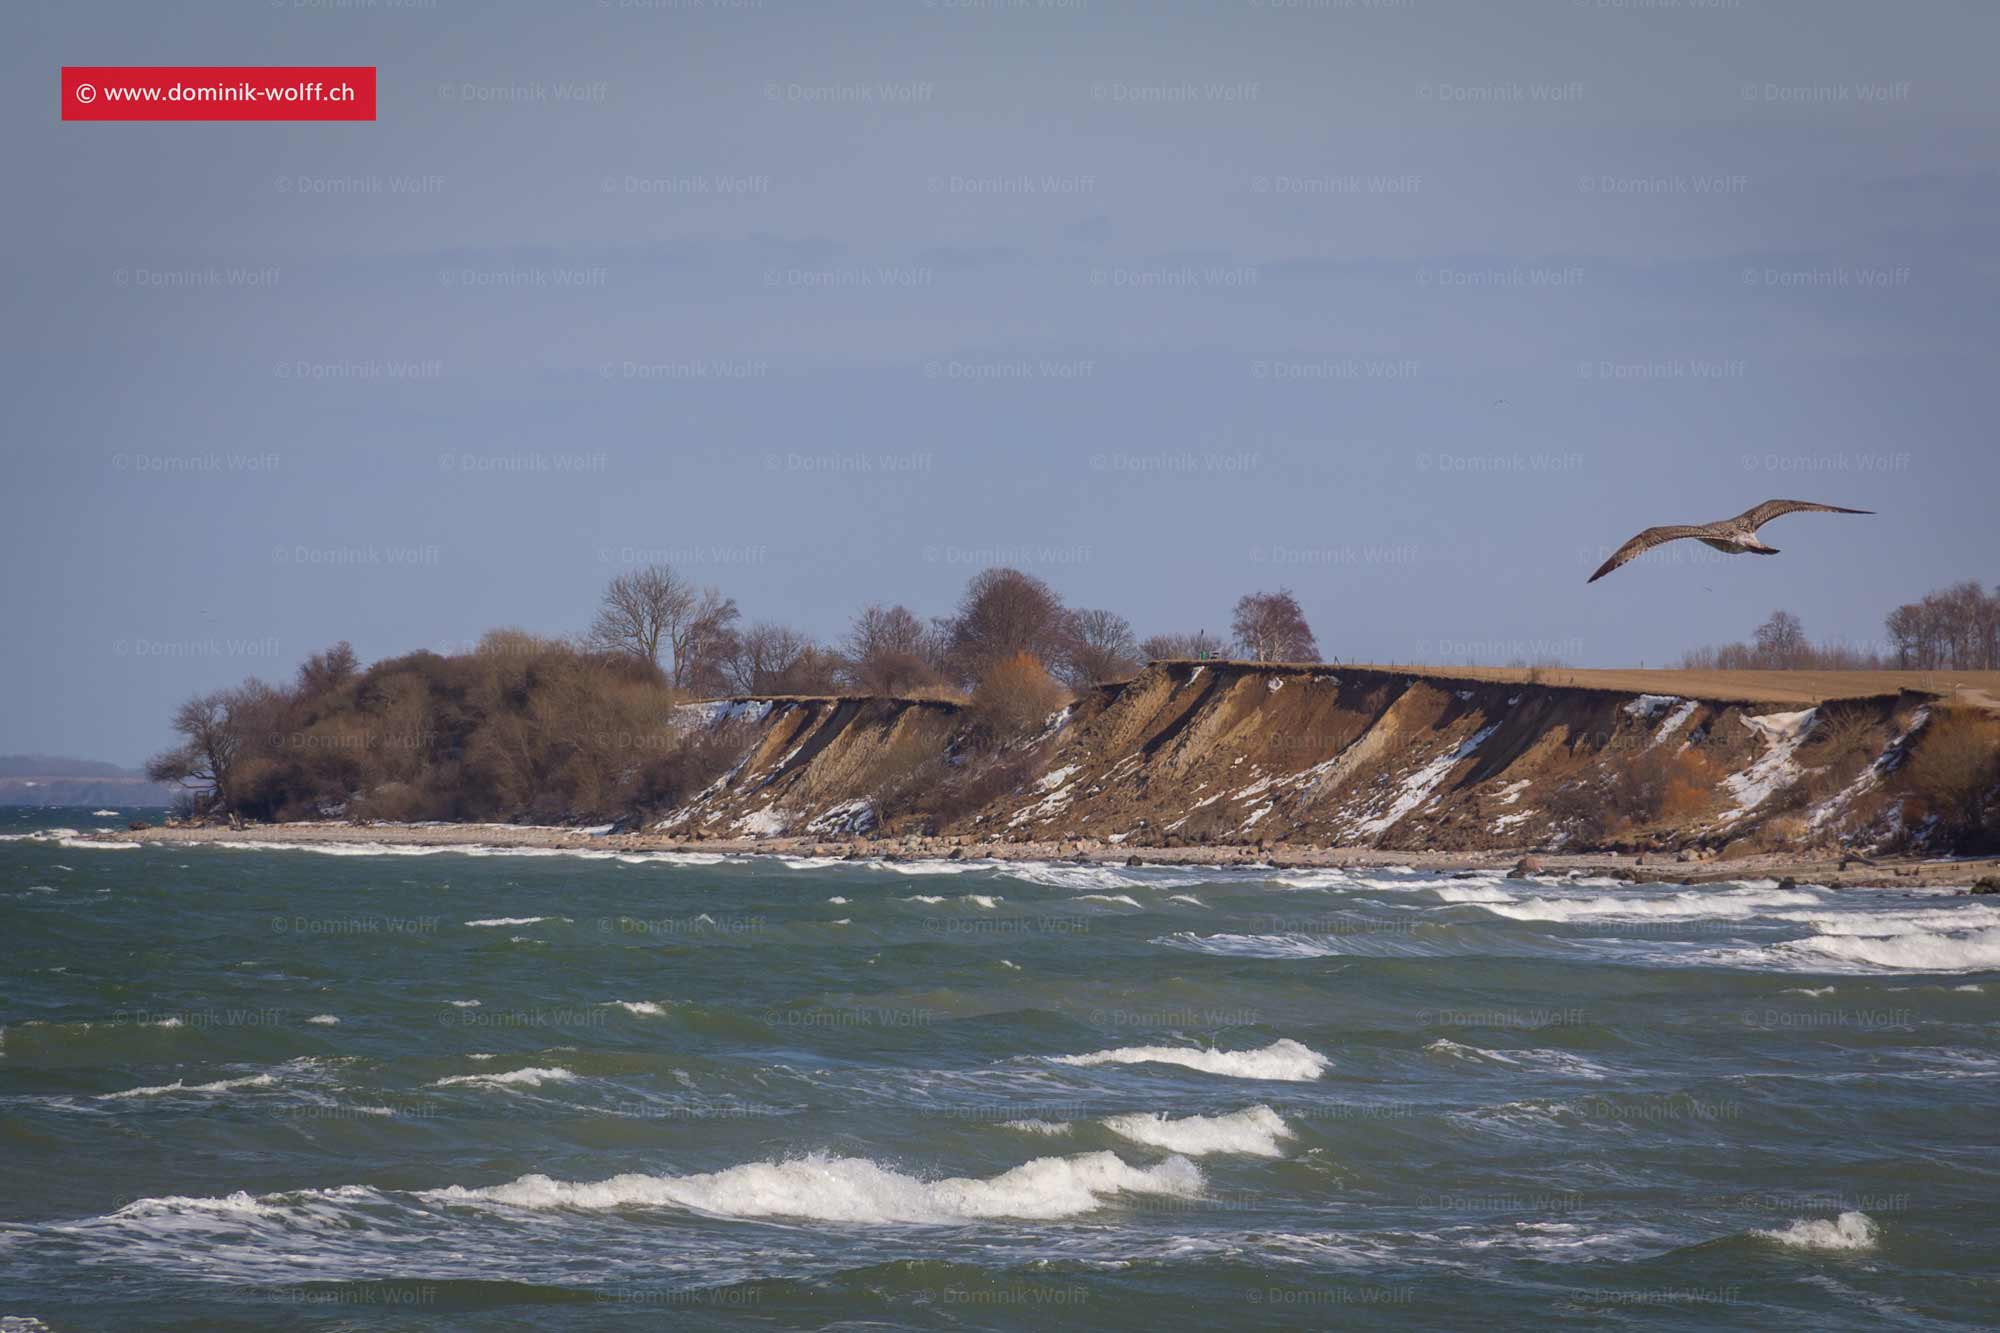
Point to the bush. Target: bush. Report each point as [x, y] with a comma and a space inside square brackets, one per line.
[687, 770]
[1013, 700]
[1952, 775]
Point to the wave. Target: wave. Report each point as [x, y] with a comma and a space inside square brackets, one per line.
[641, 1008]
[1970, 917]
[1849, 1231]
[1918, 951]
[1067, 875]
[177, 1086]
[855, 1189]
[531, 1077]
[1254, 1132]
[1472, 893]
[1230, 945]
[324, 1020]
[1284, 1060]
[515, 920]
[1696, 905]
[1123, 899]
[1311, 879]
[1556, 1062]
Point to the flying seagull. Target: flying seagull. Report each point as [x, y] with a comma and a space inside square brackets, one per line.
[1734, 535]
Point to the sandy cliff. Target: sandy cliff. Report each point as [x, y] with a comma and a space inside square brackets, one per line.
[1226, 753]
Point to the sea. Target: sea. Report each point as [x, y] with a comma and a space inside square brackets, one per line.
[256, 1087]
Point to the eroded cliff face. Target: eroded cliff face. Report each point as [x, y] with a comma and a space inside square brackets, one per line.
[1244, 754]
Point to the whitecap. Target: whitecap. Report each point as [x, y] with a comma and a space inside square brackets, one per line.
[1849, 1231]
[1696, 905]
[642, 1008]
[1921, 951]
[324, 1020]
[525, 1078]
[515, 920]
[856, 1189]
[1255, 1132]
[1283, 1060]
[177, 1086]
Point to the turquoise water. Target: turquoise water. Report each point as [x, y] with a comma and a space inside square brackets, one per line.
[276, 1088]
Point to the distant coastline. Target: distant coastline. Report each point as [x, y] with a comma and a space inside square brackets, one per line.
[36, 779]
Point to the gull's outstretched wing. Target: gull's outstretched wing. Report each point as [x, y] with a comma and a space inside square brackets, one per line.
[1770, 509]
[1645, 542]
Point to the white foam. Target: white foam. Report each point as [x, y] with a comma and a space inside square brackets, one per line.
[1123, 899]
[1283, 1060]
[1066, 875]
[514, 920]
[837, 901]
[857, 1190]
[463, 1004]
[1557, 1062]
[167, 1089]
[1048, 1127]
[1472, 893]
[643, 1008]
[1231, 945]
[1849, 1231]
[1642, 905]
[1923, 951]
[525, 1078]
[1255, 1132]
[324, 1020]
[1312, 879]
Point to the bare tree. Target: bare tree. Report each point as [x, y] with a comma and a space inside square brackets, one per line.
[1270, 627]
[654, 608]
[703, 641]
[638, 609]
[1199, 645]
[220, 731]
[771, 659]
[1781, 643]
[1101, 648]
[1004, 612]
[324, 672]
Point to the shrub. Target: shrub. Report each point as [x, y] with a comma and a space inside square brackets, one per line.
[1014, 699]
[1952, 774]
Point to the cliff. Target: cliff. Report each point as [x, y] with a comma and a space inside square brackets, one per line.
[1250, 754]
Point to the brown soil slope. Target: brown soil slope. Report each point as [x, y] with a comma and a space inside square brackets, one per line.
[1236, 753]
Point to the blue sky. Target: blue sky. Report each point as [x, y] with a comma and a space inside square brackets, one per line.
[1417, 308]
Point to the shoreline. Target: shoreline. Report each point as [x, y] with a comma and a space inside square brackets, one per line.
[1823, 870]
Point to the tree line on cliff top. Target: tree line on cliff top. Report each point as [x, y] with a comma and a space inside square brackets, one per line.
[543, 728]
[1952, 629]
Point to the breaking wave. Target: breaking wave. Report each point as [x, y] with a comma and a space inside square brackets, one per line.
[1284, 1060]
[855, 1189]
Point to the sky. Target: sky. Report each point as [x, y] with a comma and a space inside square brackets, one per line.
[1416, 308]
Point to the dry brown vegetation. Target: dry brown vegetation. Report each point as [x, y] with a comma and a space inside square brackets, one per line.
[1953, 777]
[520, 728]
[1014, 699]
